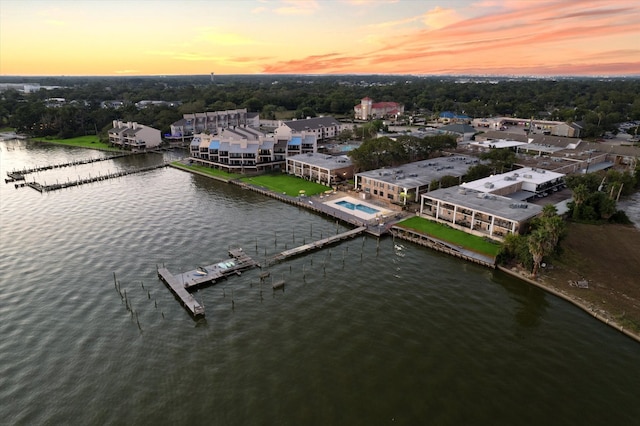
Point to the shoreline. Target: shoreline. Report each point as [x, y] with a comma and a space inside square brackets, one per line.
[585, 306]
[600, 314]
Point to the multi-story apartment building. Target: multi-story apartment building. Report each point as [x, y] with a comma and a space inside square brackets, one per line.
[405, 183]
[134, 136]
[244, 149]
[322, 128]
[478, 213]
[210, 122]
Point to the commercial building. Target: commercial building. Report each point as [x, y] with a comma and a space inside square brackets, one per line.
[133, 136]
[321, 168]
[522, 184]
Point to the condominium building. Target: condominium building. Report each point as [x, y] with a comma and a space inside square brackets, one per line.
[210, 122]
[478, 213]
[405, 183]
[322, 128]
[243, 149]
[134, 136]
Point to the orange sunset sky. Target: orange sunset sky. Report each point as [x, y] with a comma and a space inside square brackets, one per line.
[149, 37]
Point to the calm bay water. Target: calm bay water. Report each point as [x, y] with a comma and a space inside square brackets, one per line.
[362, 334]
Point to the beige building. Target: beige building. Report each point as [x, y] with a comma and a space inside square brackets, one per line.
[134, 136]
[321, 168]
[478, 213]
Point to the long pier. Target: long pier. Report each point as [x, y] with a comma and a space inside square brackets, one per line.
[182, 283]
[19, 174]
[53, 187]
[315, 245]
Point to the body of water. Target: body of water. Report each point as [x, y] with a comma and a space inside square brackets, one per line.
[369, 331]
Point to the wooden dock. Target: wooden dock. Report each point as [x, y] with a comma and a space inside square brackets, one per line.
[315, 245]
[19, 174]
[69, 183]
[182, 283]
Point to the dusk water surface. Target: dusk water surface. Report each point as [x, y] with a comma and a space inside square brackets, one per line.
[364, 333]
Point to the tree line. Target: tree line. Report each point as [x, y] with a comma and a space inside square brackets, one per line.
[599, 104]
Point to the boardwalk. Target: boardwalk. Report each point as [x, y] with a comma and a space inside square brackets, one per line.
[315, 245]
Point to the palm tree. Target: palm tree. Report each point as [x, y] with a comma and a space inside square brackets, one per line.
[539, 246]
[580, 194]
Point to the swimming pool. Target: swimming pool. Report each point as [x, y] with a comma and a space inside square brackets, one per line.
[360, 207]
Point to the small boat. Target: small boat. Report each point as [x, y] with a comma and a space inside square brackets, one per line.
[201, 271]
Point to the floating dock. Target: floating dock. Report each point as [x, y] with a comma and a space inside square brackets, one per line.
[182, 283]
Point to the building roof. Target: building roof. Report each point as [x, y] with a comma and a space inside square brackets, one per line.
[449, 114]
[422, 173]
[458, 128]
[311, 123]
[495, 205]
[330, 162]
[493, 183]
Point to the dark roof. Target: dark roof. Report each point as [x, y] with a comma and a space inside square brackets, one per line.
[458, 128]
[311, 123]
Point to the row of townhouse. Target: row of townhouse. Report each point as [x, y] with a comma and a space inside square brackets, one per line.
[210, 122]
[244, 149]
[133, 136]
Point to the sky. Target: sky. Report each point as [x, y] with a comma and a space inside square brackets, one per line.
[420, 37]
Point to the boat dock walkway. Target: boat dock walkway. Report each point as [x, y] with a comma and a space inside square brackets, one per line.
[182, 283]
[19, 174]
[68, 184]
[315, 245]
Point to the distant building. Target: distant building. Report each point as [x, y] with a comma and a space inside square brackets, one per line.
[368, 109]
[569, 130]
[462, 131]
[447, 117]
[133, 136]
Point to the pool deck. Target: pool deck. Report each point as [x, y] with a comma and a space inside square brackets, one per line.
[381, 212]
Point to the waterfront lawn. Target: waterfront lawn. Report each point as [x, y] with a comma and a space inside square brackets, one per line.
[288, 184]
[454, 236]
[88, 141]
[207, 170]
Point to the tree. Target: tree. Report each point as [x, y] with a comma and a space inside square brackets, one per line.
[500, 158]
[539, 246]
[580, 194]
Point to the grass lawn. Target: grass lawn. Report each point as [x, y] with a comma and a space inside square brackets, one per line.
[445, 233]
[88, 141]
[283, 183]
[207, 170]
